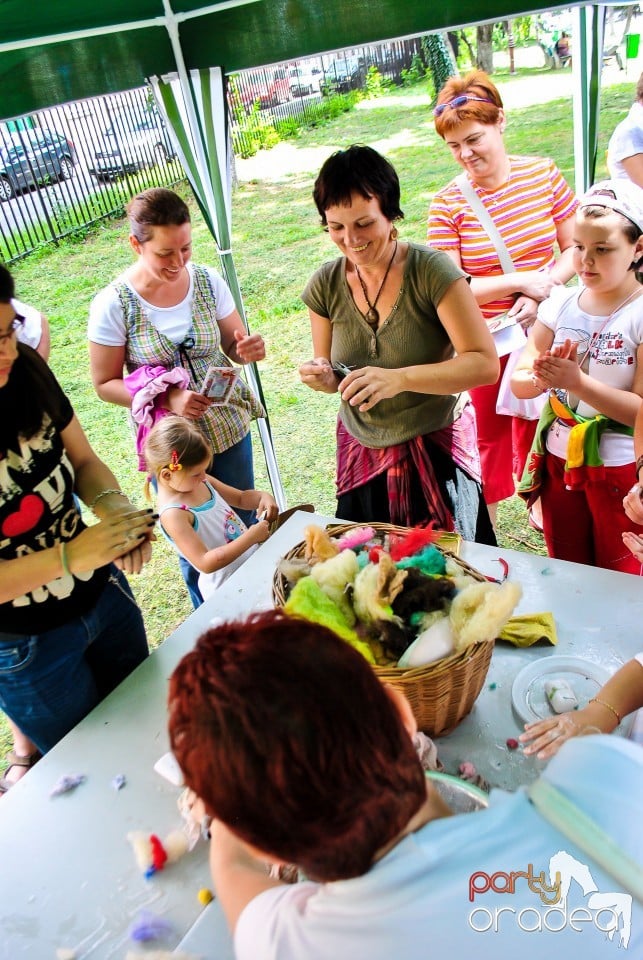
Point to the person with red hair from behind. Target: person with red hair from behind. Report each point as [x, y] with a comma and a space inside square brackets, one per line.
[303, 757]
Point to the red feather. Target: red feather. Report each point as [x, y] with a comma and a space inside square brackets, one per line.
[413, 541]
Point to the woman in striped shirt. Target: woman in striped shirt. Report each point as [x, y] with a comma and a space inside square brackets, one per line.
[532, 208]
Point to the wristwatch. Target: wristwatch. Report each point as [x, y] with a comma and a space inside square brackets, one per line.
[639, 464]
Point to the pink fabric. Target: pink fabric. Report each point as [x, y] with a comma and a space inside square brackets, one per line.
[356, 465]
[147, 386]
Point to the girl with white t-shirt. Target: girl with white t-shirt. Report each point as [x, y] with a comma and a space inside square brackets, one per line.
[196, 511]
[586, 350]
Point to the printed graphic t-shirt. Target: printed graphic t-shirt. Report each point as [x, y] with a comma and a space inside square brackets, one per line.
[37, 509]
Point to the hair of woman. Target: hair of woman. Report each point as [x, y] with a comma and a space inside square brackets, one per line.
[290, 739]
[362, 170]
[477, 84]
[156, 207]
[26, 397]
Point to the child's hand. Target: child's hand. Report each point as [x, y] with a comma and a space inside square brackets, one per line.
[259, 531]
[267, 508]
[633, 504]
[634, 544]
[548, 735]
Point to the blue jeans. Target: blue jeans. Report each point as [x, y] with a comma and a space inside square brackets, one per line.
[50, 681]
[234, 467]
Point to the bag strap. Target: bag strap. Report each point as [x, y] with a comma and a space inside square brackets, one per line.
[486, 222]
[563, 814]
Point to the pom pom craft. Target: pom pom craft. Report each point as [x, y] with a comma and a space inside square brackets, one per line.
[152, 855]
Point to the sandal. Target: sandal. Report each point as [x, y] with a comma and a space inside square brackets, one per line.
[13, 760]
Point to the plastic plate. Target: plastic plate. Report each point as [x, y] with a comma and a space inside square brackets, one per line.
[585, 677]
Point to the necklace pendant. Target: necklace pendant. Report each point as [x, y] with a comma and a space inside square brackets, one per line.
[372, 317]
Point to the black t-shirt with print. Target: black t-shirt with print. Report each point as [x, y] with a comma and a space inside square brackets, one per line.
[37, 509]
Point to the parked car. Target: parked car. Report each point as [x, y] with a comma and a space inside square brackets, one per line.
[30, 157]
[343, 75]
[303, 82]
[267, 87]
[132, 142]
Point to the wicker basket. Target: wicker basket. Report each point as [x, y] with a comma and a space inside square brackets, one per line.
[441, 694]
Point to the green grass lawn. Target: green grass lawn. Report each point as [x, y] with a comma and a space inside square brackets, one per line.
[278, 244]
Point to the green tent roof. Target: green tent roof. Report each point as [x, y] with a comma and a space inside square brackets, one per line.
[58, 50]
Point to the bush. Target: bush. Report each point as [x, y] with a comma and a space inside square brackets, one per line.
[415, 73]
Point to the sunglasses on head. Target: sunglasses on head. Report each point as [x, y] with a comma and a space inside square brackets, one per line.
[460, 102]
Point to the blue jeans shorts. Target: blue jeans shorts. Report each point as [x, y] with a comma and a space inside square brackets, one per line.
[50, 681]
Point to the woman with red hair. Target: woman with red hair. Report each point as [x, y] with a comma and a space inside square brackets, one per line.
[303, 757]
[531, 207]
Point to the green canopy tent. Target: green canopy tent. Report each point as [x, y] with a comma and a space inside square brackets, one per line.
[69, 49]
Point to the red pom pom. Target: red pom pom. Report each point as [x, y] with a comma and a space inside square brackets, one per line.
[512, 744]
[413, 541]
[374, 554]
[159, 856]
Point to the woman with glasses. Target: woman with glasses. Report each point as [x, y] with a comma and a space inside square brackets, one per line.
[165, 313]
[528, 202]
[398, 334]
[70, 630]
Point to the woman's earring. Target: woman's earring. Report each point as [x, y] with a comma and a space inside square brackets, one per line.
[394, 233]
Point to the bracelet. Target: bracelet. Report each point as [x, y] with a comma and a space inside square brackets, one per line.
[103, 493]
[62, 550]
[639, 464]
[603, 703]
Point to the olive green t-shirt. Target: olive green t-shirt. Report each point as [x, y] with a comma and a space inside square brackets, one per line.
[411, 334]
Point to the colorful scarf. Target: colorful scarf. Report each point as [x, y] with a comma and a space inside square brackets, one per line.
[583, 458]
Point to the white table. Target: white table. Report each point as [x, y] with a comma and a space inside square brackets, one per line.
[68, 877]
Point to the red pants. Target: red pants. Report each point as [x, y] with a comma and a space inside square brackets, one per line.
[585, 525]
[504, 442]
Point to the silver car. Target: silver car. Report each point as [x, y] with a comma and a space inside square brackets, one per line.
[131, 143]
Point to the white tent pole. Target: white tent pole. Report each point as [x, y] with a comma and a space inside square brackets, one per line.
[188, 101]
[185, 87]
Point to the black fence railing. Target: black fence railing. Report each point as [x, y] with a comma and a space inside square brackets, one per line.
[294, 90]
[67, 167]
[64, 168]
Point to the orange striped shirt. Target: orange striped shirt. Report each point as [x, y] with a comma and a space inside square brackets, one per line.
[526, 210]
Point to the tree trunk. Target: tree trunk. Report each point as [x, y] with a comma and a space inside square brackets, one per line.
[484, 54]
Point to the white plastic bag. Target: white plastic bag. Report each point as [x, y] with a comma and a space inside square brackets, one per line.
[508, 405]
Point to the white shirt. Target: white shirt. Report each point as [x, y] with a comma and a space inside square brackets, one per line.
[626, 141]
[612, 361]
[414, 904]
[107, 323]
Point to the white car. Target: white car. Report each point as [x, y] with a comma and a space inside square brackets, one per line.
[303, 82]
[132, 142]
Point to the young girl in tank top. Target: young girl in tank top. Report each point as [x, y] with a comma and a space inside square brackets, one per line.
[196, 510]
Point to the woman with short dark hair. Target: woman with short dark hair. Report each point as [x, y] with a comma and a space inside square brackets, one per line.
[398, 334]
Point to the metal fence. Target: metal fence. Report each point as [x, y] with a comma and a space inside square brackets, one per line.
[64, 168]
[67, 167]
[295, 90]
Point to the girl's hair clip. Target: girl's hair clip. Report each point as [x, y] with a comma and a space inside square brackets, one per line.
[174, 462]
